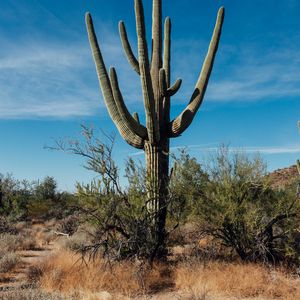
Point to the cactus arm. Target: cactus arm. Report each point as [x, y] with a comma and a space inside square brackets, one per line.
[182, 122]
[153, 133]
[135, 115]
[134, 126]
[171, 91]
[156, 37]
[156, 59]
[167, 50]
[127, 48]
[105, 84]
[167, 68]
[162, 82]
[163, 88]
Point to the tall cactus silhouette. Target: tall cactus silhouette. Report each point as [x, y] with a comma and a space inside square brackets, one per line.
[155, 75]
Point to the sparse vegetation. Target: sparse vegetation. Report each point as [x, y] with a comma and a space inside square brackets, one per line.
[238, 207]
[8, 261]
[228, 206]
[220, 228]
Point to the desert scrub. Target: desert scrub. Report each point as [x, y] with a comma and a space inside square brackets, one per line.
[69, 225]
[48, 237]
[75, 243]
[6, 227]
[9, 242]
[239, 208]
[33, 294]
[240, 280]
[66, 272]
[8, 262]
[28, 242]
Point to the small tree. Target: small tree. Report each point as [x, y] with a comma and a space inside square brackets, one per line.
[119, 215]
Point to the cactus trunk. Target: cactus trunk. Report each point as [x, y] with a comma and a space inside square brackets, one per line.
[157, 165]
[155, 76]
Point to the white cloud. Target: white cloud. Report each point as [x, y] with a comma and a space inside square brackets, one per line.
[268, 76]
[43, 80]
[241, 72]
[40, 79]
[262, 150]
[58, 80]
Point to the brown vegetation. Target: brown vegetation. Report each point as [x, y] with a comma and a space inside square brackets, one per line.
[191, 279]
[66, 272]
[236, 280]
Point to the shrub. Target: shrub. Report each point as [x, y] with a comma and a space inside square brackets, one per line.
[6, 227]
[69, 225]
[33, 294]
[187, 183]
[239, 208]
[28, 242]
[76, 243]
[48, 237]
[9, 243]
[8, 262]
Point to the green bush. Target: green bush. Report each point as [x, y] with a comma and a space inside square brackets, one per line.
[23, 200]
[188, 180]
[239, 208]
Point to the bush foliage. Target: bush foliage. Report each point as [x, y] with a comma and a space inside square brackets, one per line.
[25, 200]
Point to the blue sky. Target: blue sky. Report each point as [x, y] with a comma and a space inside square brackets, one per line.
[48, 83]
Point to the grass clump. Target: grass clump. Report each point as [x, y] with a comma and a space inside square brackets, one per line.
[8, 262]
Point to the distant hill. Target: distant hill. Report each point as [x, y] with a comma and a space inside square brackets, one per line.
[283, 177]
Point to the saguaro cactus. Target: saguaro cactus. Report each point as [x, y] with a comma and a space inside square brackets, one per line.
[155, 75]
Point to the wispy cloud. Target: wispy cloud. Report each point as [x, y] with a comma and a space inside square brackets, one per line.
[242, 73]
[265, 76]
[261, 150]
[55, 79]
[42, 80]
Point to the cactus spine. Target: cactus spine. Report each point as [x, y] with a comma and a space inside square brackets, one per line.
[155, 76]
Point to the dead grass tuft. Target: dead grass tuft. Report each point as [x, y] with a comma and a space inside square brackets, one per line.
[32, 294]
[236, 280]
[8, 262]
[9, 242]
[66, 272]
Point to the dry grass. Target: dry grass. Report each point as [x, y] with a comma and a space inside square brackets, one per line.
[75, 242]
[9, 242]
[67, 273]
[8, 262]
[28, 242]
[31, 294]
[235, 280]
